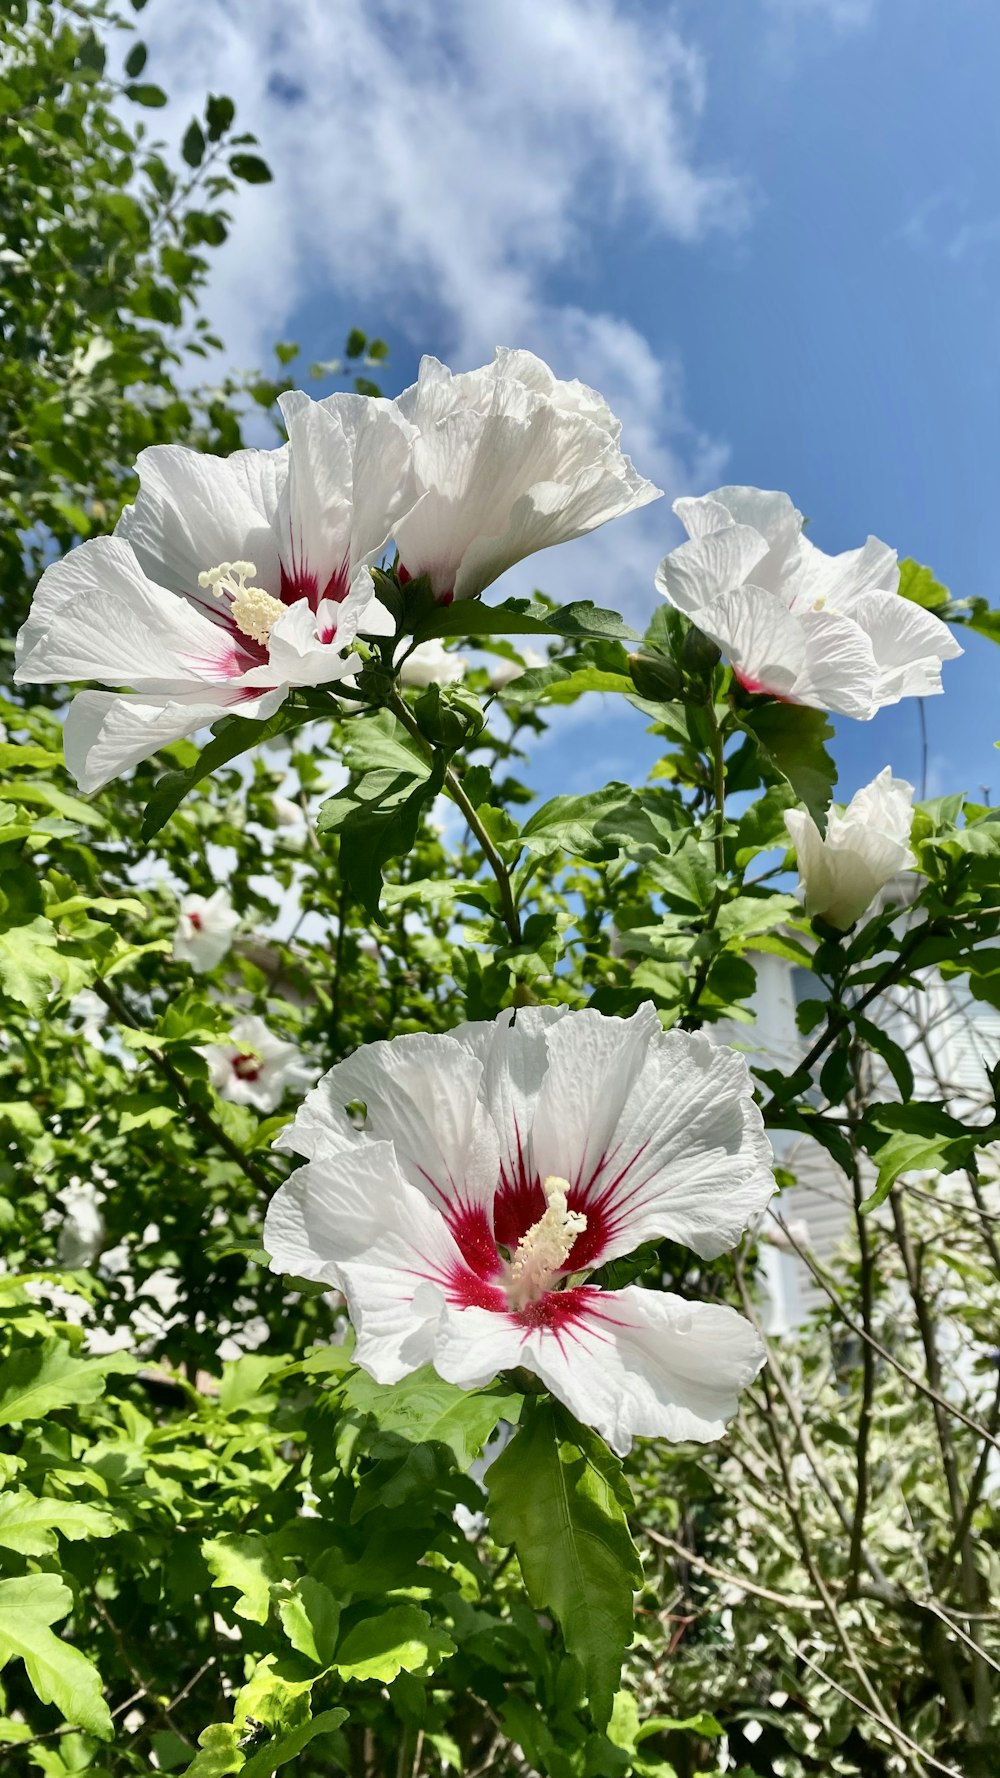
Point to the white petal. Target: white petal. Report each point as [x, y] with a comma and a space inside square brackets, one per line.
[514, 1057]
[593, 1063]
[632, 1363]
[353, 1221]
[909, 645]
[841, 581]
[680, 1149]
[706, 569]
[105, 734]
[421, 1094]
[194, 511]
[95, 615]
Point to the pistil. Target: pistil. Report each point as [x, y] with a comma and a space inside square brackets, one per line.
[253, 610]
[541, 1253]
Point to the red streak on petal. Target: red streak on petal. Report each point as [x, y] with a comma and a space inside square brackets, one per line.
[470, 1226]
[196, 921]
[467, 1291]
[247, 1066]
[303, 583]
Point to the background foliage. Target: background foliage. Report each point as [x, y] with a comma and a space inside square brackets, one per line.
[222, 1548]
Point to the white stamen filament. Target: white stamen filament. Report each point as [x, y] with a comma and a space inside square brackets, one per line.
[253, 611]
[543, 1251]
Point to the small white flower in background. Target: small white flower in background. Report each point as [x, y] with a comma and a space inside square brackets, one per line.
[508, 460]
[205, 930]
[287, 813]
[786, 1236]
[91, 1010]
[828, 631]
[864, 847]
[505, 671]
[82, 1231]
[255, 1067]
[230, 581]
[498, 1166]
[432, 664]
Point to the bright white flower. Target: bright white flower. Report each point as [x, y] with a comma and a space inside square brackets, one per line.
[230, 581]
[82, 1232]
[90, 1008]
[509, 460]
[863, 848]
[255, 1067]
[505, 671]
[496, 1168]
[286, 813]
[432, 664]
[827, 631]
[205, 930]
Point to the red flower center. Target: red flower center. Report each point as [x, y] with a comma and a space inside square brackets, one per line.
[247, 1066]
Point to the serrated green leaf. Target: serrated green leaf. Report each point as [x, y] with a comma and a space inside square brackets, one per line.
[558, 1495]
[310, 1618]
[59, 1673]
[425, 1409]
[288, 1746]
[246, 1563]
[524, 617]
[41, 1380]
[791, 738]
[29, 1523]
[400, 1640]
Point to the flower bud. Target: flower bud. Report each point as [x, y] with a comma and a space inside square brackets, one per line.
[655, 677]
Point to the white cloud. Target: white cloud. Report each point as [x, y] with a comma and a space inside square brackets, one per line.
[443, 165]
[844, 15]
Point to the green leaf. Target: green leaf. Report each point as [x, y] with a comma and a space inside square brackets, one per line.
[557, 685]
[250, 168]
[233, 736]
[524, 617]
[41, 1380]
[193, 145]
[246, 1563]
[219, 1753]
[310, 1618]
[558, 1495]
[920, 586]
[150, 96]
[400, 1640]
[60, 1674]
[289, 1745]
[378, 815]
[902, 1137]
[427, 1410]
[29, 1522]
[135, 61]
[791, 739]
[219, 114]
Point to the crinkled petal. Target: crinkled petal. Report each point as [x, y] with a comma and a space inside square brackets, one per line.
[95, 615]
[697, 573]
[353, 1221]
[104, 734]
[421, 1092]
[513, 1052]
[194, 511]
[631, 1363]
[668, 1140]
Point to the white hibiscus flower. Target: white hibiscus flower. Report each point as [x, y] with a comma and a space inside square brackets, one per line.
[205, 930]
[432, 664]
[842, 871]
[495, 1169]
[827, 631]
[255, 1067]
[508, 460]
[230, 581]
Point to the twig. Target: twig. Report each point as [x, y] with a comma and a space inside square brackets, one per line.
[791, 1601]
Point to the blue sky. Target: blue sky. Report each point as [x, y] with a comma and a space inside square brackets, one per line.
[767, 230]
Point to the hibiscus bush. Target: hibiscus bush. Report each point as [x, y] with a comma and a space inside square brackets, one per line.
[390, 1158]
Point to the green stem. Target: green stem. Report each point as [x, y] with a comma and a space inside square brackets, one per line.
[453, 784]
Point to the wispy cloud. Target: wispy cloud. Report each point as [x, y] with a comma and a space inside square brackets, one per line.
[453, 168]
[943, 225]
[843, 15]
